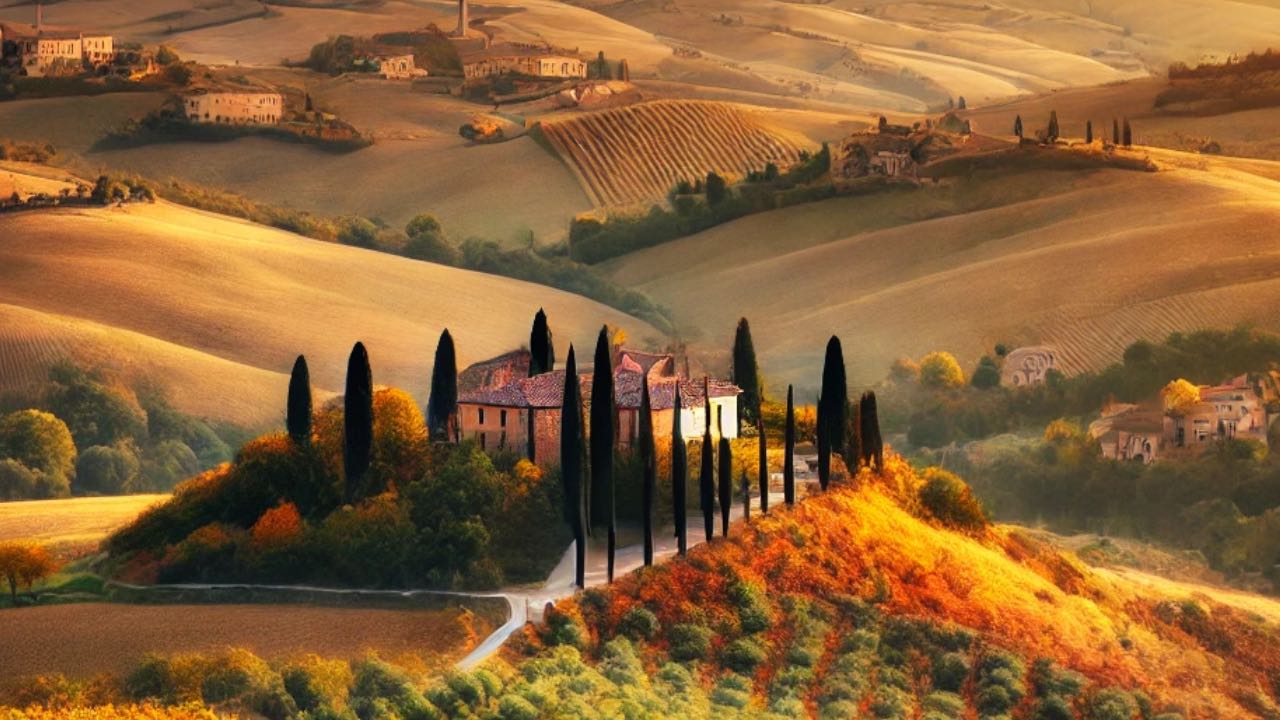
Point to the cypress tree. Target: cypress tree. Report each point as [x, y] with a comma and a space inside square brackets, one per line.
[706, 475]
[746, 496]
[357, 422]
[442, 406]
[1088, 132]
[725, 470]
[872, 442]
[298, 418]
[1017, 126]
[1128, 133]
[542, 349]
[1053, 132]
[571, 452]
[603, 439]
[649, 465]
[1115, 131]
[679, 475]
[789, 452]
[833, 408]
[764, 466]
[746, 373]
[853, 438]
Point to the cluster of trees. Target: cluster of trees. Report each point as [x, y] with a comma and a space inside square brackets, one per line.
[430, 47]
[365, 491]
[1053, 131]
[850, 430]
[89, 434]
[698, 205]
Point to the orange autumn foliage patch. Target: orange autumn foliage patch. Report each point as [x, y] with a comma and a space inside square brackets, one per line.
[111, 712]
[1018, 594]
[277, 526]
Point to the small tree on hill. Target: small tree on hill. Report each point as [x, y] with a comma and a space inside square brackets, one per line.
[706, 475]
[872, 443]
[1088, 132]
[571, 454]
[717, 189]
[1053, 132]
[679, 475]
[789, 451]
[725, 469]
[1017, 126]
[23, 565]
[298, 409]
[357, 422]
[763, 443]
[542, 359]
[603, 439]
[602, 69]
[649, 470]
[1128, 133]
[746, 373]
[940, 371]
[962, 104]
[987, 374]
[442, 406]
[833, 408]
[624, 70]
[1115, 131]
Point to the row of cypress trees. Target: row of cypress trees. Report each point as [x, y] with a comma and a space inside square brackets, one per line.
[851, 430]
[1120, 134]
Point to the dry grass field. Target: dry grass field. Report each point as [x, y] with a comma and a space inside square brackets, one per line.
[637, 154]
[1086, 262]
[70, 524]
[88, 639]
[244, 300]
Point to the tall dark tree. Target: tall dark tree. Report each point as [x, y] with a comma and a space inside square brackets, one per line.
[746, 496]
[789, 452]
[706, 474]
[604, 434]
[357, 422]
[298, 419]
[853, 438]
[1115, 131]
[746, 373]
[1053, 133]
[542, 349]
[679, 475]
[1128, 133]
[649, 469]
[1017, 126]
[833, 409]
[725, 479]
[962, 104]
[763, 442]
[872, 442]
[571, 455]
[442, 406]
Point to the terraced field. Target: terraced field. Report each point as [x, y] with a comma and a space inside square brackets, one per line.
[636, 154]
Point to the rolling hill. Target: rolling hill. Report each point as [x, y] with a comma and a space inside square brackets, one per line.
[1084, 261]
[215, 308]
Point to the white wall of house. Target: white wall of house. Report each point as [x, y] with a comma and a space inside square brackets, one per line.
[234, 108]
[692, 422]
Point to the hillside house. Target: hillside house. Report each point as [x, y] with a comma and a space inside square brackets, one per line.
[1028, 366]
[522, 60]
[399, 67]
[496, 414]
[40, 50]
[234, 107]
[1147, 432]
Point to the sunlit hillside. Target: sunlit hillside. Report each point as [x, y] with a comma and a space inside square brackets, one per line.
[818, 602]
[216, 306]
[1084, 261]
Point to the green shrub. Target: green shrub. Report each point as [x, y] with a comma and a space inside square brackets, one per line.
[950, 671]
[753, 607]
[514, 707]
[1053, 707]
[994, 700]
[743, 655]
[379, 685]
[944, 705]
[1110, 704]
[689, 642]
[620, 664]
[639, 623]
[950, 501]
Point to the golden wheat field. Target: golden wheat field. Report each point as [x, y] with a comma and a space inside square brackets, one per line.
[638, 153]
[88, 639]
[70, 522]
[1086, 262]
[248, 299]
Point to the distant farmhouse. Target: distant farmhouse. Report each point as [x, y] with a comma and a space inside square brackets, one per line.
[1148, 432]
[399, 67]
[232, 106]
[496, 399]
[39, 50]
[528, 60]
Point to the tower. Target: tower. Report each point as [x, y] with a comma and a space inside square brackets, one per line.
[39, 16]
[462, 19]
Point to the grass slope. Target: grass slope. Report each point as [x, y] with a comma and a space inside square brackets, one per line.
[248, 299]
[78, 522]
[868, 541]
[1086, 262]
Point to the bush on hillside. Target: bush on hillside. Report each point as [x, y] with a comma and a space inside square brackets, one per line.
[949, 500]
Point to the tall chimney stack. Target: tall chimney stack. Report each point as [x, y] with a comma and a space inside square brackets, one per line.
[462, 18]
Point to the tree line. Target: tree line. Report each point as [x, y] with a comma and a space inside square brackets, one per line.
[1121, 130]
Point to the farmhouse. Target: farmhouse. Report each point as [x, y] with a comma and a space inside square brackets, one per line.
[39, 50]
[527, 60]
[234, 106]
[1147, 432]
[495, 403]
[399, 67]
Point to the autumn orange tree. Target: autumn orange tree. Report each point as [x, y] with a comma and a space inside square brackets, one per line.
[23, 564]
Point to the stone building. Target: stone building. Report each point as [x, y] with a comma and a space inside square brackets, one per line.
[40, 50]
[234, 107]
[531, 61]
[499, 408]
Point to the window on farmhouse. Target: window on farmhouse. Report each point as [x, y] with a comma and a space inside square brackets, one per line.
[502, 418]
[481, 413]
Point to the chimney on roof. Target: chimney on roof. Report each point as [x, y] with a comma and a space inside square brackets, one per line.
[462, 19]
